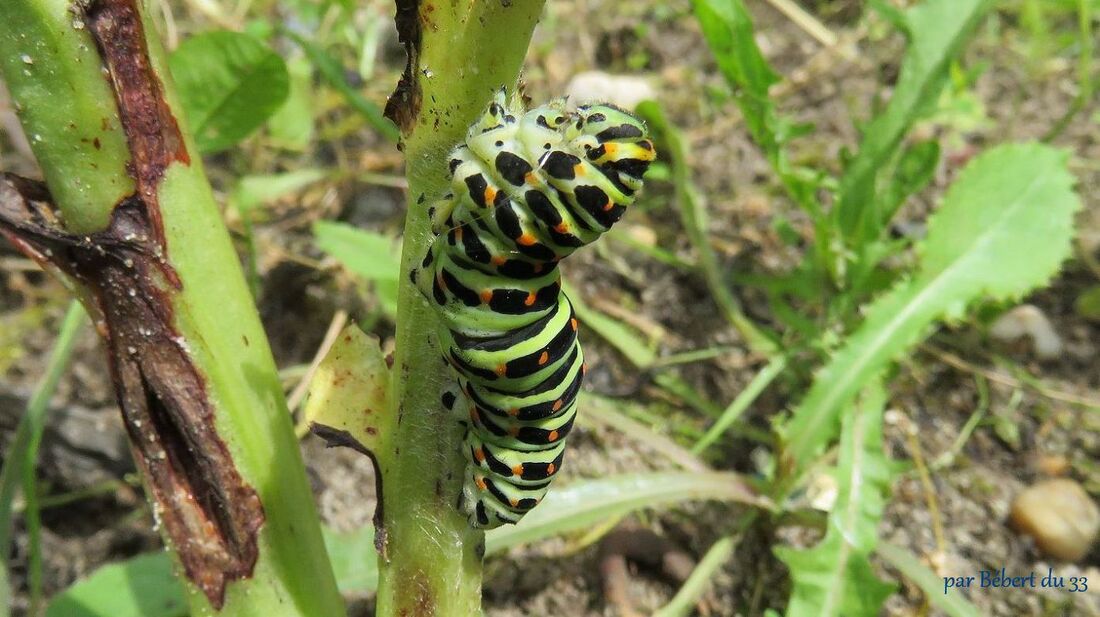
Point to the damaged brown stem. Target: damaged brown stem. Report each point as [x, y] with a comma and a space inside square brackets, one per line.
[210, 513]
[206, 418]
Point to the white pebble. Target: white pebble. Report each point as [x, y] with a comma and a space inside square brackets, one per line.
[1028, 320]
[626, 91]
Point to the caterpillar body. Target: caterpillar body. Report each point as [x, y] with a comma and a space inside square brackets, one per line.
[528, 189]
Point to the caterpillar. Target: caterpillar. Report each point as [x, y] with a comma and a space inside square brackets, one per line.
[527, 189]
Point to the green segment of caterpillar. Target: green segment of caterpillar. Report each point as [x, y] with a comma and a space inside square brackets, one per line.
[528, 189]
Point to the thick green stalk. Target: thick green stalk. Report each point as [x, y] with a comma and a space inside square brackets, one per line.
[234, 414]
[51, 67]
[467, 51]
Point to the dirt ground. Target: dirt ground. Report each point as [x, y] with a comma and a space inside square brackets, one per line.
[1031, 431]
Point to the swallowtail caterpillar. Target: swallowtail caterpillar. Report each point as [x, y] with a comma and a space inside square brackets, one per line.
[528, 189]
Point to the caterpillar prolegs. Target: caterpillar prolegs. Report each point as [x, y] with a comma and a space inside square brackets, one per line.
[527, 190]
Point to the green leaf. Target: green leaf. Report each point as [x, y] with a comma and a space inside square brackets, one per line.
[143, 586]
[349, 392]
[1003, 229]
[150, 588]
[229, 84]
[584, 504]
[253, 191]
[333, 73]
[371, 255]
[835, 577]
[354, 559]
[938, 30]
[291, 126]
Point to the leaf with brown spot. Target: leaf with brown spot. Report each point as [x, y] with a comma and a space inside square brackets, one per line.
[348, 405]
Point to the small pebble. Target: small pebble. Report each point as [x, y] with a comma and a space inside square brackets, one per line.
[1052, 464]
[1059, 515]
[1028, 320]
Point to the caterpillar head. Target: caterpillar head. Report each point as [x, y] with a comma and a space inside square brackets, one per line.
[615, 141]
[502, 111]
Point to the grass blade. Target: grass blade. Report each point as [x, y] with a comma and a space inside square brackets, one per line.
[741, 403]
[693, 214]
[928, 581]
[606, 411]
[23, 452]
[683, 603]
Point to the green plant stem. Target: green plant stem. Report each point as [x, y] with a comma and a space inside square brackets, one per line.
[432, 564]
[212, 309]
[22, 454]
[693, 214]
[33, 522]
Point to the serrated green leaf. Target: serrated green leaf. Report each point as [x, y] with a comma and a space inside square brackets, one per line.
[937, 30]
[144, 586]
[229, 84]
[371, 255]
[1004, 228]
[835, 578]
[821, 589]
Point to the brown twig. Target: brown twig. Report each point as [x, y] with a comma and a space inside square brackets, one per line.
[642, 547]
[1006, 380]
